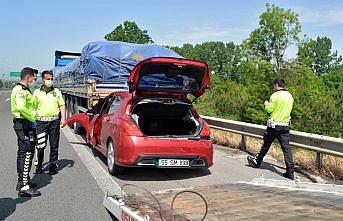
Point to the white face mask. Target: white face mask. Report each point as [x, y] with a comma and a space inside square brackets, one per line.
[48, 83]
[32, 83]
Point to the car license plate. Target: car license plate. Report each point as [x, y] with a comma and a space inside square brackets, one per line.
[173, 163]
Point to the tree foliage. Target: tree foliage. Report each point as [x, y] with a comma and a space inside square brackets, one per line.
[242, 75]
[278, 29]
[317, 55]
[129, 32]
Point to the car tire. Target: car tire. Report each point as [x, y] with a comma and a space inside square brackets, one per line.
[112, 167]
[88, 142]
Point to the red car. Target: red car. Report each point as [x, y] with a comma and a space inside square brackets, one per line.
[153, 124]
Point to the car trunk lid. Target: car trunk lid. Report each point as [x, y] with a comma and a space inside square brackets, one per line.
[169, 76]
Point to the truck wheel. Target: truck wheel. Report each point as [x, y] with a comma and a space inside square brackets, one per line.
[76, 126]
[113, 169]
[70, 111]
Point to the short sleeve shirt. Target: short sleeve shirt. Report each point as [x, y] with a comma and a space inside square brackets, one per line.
[48, 103]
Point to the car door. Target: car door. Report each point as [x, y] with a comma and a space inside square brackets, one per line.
[98, 119]
[109, 121]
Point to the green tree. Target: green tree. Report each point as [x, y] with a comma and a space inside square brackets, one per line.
[1, 84]
[221, 57]
[129, 32]
[317, 55]
[278, 29]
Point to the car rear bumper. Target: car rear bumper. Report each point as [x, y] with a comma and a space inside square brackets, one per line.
[145, 152]
[152, 161]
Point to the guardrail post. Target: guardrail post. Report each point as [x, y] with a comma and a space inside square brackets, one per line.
[319, 161]
[244, 143]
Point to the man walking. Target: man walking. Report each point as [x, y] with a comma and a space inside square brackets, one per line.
[23, 108]
[279, 107]
[51, 116]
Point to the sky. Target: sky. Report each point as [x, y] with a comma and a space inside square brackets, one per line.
[31, 30]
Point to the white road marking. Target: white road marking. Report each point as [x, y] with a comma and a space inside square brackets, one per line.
[7, 99]
[101, 176]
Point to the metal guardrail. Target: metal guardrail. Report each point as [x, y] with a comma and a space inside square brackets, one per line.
[314, 142]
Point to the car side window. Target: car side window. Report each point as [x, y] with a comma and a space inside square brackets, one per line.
[114, 106]
[107, 104]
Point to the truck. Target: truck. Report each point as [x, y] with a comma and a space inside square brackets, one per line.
[101, 68]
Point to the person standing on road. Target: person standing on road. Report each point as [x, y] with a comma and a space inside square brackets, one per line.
[51, 116]
[279, 107]
[23, 108]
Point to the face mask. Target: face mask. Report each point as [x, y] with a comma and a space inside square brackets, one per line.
[32, 83]
[48, 83]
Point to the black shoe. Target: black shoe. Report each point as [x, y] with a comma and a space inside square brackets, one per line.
[39, 170]
[53, 169]
[20, 185]
[288, 175]
[253, 162]
[29, 193]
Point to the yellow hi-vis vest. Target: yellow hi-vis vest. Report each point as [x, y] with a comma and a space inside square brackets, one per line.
[23, 104]
[280, 106]
[48, 103]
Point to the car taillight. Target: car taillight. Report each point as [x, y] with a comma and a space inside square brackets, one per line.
[129, 128]
[205, 132]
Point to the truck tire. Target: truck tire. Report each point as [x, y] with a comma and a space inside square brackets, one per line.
[113, 169]
[67, 107]
[69, 110]
[76, 126]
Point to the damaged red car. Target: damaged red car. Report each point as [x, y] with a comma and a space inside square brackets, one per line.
[154, 124]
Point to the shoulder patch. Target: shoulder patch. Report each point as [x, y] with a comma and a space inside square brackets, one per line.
[21, 94]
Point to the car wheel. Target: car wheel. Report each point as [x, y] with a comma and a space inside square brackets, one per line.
[88, 142]
[111, 164]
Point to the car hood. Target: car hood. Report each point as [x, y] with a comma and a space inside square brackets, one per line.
[170, 76]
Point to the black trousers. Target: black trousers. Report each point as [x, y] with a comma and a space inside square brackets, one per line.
[281, 133]
[26, 137]
[47, 130]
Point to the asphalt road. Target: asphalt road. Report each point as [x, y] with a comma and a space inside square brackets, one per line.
[72, 194]
[77, 191]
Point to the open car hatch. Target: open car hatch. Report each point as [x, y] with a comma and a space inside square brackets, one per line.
[170, 76]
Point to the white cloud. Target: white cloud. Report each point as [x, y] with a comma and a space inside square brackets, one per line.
[323, 17]
[201, 33]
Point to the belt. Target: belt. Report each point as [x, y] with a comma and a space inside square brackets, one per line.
[281, 124]
[47, 118]
[272, 124]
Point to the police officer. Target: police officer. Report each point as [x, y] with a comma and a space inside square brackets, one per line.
[23, 108]
[51, 116]
[279, 107]
[35, 74]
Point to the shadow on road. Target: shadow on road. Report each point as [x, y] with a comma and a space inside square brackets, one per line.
[269, 166]
[45, 178]
[159, 174]
[9, 205]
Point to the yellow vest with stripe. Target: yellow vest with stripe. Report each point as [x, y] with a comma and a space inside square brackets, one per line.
[48, 102]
